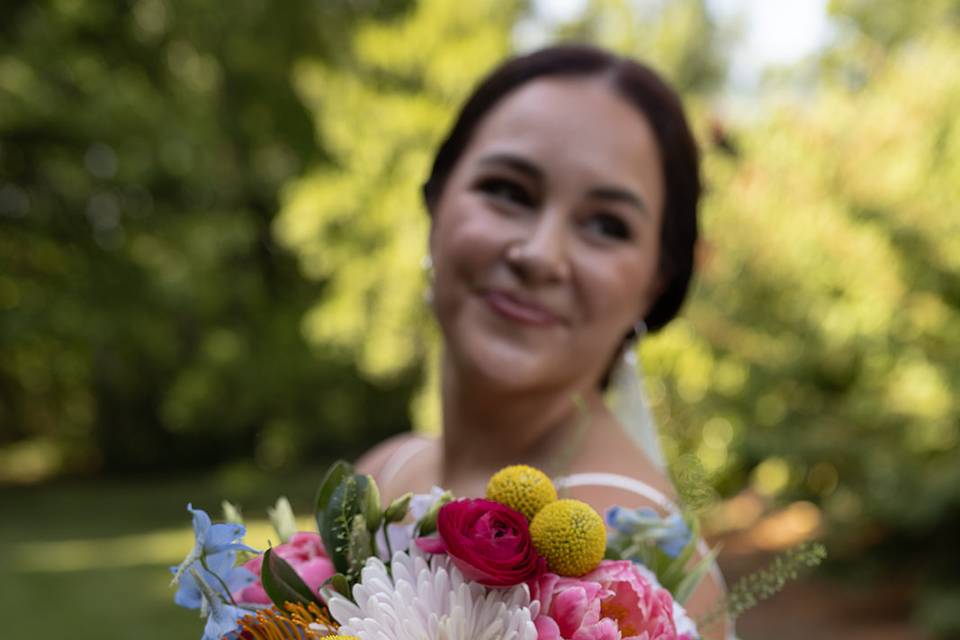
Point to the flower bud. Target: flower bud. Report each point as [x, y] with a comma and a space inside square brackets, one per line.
[397, 510]
[371, 505]
[428, 523]
[282, 518]
[231, 512]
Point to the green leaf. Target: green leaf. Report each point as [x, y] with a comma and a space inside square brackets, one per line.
[675, 569]
[360, 546]
[341, 585]
[693, 578]
[346, 501]
[334, 476]
[282, 583]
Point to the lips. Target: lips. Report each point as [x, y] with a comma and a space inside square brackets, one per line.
[520, 310]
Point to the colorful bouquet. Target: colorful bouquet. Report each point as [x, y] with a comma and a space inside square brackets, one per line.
[519, 564]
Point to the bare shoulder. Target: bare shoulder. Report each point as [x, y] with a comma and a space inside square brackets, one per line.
[613, 454]
[375, 460]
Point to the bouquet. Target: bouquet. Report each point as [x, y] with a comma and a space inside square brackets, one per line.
[518, 564]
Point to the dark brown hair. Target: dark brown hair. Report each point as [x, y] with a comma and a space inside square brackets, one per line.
[644, 89]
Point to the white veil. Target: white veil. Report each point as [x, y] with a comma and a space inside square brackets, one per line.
[628, 402]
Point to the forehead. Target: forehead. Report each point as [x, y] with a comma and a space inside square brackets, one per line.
[577, 125]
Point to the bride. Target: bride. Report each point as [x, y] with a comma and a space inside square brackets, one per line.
[563, 211]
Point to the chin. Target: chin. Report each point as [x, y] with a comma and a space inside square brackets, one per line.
[508, 367]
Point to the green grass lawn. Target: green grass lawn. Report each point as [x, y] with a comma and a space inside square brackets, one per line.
[89, 561]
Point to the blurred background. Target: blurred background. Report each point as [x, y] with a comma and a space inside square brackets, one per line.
[210, 282]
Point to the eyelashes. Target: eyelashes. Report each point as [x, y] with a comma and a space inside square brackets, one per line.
[509, 193]
[505, 190]
[610, 225]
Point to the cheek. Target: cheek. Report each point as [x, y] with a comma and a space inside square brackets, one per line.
[468, 235]
[613, 292]
[465, 247]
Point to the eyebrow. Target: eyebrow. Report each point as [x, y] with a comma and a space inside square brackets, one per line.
[608, 193]
[616, 194]
[514, 162]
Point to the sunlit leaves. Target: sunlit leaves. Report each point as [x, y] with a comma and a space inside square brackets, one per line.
[829, 290]
[381, 117]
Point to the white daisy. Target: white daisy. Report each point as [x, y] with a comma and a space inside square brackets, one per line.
[429, 599]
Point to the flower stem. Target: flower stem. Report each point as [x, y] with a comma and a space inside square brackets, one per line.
[203, 562]
[386, 537]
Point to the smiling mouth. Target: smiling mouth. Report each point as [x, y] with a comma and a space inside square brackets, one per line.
[520, 311]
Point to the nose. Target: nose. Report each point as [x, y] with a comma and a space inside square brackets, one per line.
[541, 256]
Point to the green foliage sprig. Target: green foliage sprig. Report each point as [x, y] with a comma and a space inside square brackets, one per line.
[760, 585]
[692, 483]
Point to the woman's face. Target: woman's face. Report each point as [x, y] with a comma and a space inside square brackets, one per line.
[545, 241]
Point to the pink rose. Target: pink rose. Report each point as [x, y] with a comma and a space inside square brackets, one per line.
[640, 608]
[487, 541]
[305, 553]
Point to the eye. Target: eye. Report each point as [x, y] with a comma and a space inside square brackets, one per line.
[609, 225]
[506, 190]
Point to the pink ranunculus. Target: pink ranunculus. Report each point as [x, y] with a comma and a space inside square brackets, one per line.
[487, 541]
[305, 553]
[640, 608]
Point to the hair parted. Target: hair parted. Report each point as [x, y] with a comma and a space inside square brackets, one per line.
[653, 98]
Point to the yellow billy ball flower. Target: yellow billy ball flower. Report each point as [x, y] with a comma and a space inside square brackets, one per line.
[570, 535]
[340, 638]
[523, 488]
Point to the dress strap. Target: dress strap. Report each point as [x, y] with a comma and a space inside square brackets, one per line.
[617, 481]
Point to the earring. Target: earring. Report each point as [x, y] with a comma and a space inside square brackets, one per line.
[426, 264]
[639, 330]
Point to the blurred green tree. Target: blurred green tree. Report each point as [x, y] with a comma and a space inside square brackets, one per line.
[679, 38]
[820, 355]
[147, 317]
[382, 116]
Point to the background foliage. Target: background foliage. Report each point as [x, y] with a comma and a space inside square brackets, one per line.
[210, 239]
[149, 318]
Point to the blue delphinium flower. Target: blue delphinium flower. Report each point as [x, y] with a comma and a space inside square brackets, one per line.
[208, 575]
[670, 533]
[223, 618]
[211, 539]
[220, 576]
[675, 536]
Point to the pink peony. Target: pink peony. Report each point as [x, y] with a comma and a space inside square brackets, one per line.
[616, 600]
[641, 609]
[305, 553]
[570, 609]
[487, 541]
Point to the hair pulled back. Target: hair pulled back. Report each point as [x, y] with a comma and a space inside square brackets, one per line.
[649, 94]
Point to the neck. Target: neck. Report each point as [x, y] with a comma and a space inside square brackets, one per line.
[486, 428]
